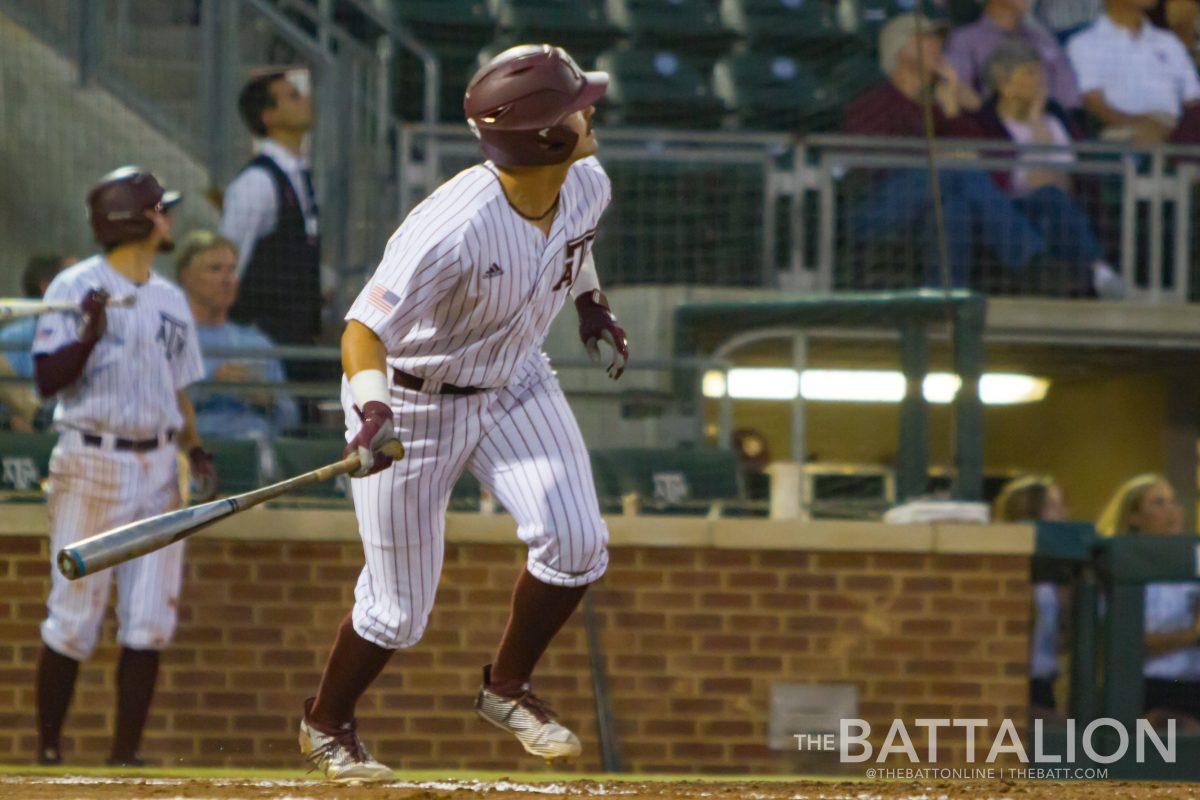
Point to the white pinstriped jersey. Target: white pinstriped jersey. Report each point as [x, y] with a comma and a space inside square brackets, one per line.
[467, 288]
[148, 352]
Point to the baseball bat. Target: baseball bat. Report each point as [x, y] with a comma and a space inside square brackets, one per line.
[127, 542]
[16, 307]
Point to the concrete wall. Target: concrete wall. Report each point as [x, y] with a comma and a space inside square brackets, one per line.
[57, 139]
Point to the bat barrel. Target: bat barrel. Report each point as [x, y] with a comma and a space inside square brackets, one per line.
[108, 549]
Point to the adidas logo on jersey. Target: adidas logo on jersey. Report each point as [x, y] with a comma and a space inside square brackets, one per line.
[493, 271]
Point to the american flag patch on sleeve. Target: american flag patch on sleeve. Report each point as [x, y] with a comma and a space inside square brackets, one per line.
[382, 299]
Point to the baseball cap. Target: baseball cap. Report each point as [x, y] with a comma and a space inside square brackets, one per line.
[899, 31]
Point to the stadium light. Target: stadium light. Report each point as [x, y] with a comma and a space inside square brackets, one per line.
[865, 386]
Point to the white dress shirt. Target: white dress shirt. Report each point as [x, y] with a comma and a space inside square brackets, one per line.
[1147, 71]
[252, 208]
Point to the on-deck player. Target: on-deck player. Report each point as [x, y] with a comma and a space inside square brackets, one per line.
[122, 415]
[443, 354]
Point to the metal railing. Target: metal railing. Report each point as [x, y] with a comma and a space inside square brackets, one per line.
[181, 68]
[746, 209]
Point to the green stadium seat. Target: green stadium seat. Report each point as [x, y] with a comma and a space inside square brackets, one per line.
[658, 87]
[855, 74]
[295, 455]
[605, 473]
[465, 494]
[238, 464]
[773, 90]
[678, 480]
[581, 26]
[440, 21]
[455, 30]
[25, 461]
[693, 26]
[786, 23]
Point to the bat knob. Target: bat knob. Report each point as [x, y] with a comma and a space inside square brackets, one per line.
[70, 564]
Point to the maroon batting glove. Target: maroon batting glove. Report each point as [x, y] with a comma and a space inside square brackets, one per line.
[95, 320]
[375, 442]
[598, 323]
[204, 480]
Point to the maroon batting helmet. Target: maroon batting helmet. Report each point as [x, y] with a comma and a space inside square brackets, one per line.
[516, 103]
[117, 205]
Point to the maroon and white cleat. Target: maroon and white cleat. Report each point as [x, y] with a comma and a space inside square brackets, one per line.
[340, 755]
[527, 717]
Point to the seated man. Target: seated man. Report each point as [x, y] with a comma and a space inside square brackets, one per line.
[968, 49]
[1137, 80]
[900, 203]
[22, 401]
[207, 270]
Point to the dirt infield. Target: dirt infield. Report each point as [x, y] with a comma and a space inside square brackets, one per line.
[111, 788]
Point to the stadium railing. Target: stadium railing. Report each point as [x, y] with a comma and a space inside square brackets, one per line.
[773, 211]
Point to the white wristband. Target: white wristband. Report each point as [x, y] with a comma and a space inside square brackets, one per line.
[369, 384]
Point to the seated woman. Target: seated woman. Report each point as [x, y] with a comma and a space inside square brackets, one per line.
[1146, 504]
[1029, 499]
[1019, 111]
[206, 269]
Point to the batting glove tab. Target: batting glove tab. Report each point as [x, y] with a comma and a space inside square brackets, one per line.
[598, 323]
[375, 442]
[203, 477]
[95, 319]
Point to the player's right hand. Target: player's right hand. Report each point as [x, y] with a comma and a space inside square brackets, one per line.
[95, 320]
[375, 442]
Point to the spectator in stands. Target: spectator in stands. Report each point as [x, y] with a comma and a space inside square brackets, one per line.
[1147, 505]
[1021, 110]
[1029, 499]
[207, 270]
[910, 55]
[22, 401]
[1136, 79]
[270, 215]
[969, 48]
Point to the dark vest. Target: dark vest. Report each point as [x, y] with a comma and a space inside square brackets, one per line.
[281, 287]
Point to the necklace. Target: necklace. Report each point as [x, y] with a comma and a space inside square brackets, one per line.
[553, 207]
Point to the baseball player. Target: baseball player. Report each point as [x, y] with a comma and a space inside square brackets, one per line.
[119, 375]
[444, 371]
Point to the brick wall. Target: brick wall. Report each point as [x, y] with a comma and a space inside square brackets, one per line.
[695, 638]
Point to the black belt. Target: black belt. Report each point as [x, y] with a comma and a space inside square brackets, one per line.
[136, 445]
[418, 384]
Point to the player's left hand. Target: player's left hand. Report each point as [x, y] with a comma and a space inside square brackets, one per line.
[598, 323]
[203, 474]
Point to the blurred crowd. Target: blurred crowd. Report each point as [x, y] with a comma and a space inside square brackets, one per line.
[1066, 71]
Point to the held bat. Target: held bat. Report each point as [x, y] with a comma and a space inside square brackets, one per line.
[127, 542]
[16, 307]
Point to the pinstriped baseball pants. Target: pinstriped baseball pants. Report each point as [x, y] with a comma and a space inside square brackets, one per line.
[90, 491]
[523, 444]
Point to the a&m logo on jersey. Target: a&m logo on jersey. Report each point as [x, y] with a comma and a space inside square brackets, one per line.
[574, 254]
[172, 333]
[382, 299]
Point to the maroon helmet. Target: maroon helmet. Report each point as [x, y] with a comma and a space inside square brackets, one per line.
[516, 103]
[117, 205]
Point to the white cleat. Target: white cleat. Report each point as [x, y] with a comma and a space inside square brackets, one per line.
[528, 718]
[341, 757]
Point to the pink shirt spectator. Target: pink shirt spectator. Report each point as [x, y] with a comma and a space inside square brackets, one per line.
[968, 49]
